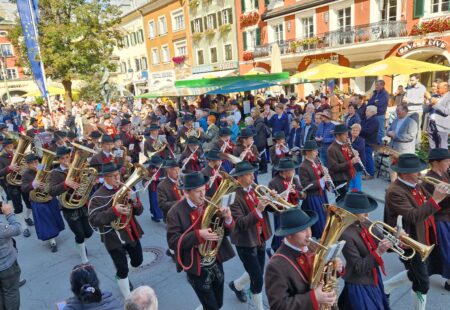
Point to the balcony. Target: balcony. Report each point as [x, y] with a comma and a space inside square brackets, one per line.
[350, 35]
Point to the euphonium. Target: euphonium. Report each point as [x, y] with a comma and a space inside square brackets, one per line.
[338, 220]
[126, 163]
[122, 195]
[209, 249]
[15, 177]
[158, 146]
[390, 232]
[82, 174]
[39, 194]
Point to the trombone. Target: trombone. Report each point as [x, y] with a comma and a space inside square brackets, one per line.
[434, 182]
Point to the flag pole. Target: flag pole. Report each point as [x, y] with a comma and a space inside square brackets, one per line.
[44, 78]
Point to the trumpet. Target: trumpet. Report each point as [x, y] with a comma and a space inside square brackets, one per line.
[434, 182]
[276, 201]
[390, 234]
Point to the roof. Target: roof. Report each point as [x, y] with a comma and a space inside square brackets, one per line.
[294, 8]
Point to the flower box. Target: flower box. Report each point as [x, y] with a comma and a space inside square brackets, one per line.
[248, 56]
[197, 36]
[435, 25]
[225, 28]
[193, 4]
[249, 19]
[209, 32]
[178, 60]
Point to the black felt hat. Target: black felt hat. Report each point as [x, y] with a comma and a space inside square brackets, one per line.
[107, 139]
[3, 126]
[341, 128]
[61, 151]
[7, 142]
[243, 167]
[109, 168]
[224, 132]
[71, 135]
[279, 135]
[187, 118]
[155, 161]
[193, 180]
[124, 121]
[439, 154]
[247, 133]
[310, 145]
[294, 220]
[170, 163]
[409, 163]
[116, 137]
[30, 158]
[193, 141]
[358, 202]
[95, 134]
[286, 163]
[213, 155]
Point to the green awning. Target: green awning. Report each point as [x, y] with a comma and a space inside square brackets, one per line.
[224, 81]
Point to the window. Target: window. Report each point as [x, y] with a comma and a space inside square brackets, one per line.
[178, 21]
[252, 39]
[162, 25]
[151, 29]
[213, 53]
[144, 63]
[137, 64]
[439, 6]
[129, 66]
[228, 52]
[6, 50]
[123, 67]
[180, 49]
[389, 10]
[140, 36]
[308, 27]
[278, 33]
[155, 56]
[127, 41]
[165, 54]
[344, 24]
[11, 73]
[133, 38]
[249, 5]
[211, 21]
[200, 59]
[197, 25]
[226, 16]
[3, 33]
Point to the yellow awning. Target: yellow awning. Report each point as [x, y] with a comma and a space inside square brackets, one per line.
[323, 71]
[52, 91]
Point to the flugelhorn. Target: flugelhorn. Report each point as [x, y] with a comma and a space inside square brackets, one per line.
[390, 234]
[434, 182]
[274, 200]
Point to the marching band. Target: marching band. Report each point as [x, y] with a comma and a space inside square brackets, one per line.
[211, 200]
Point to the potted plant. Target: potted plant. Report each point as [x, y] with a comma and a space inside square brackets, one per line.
[248, 56]
[210, 33]
[224, 29]
[178, 60]
[193, 4]
[196, 36]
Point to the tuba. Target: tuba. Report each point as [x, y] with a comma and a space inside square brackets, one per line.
[209, 249]
[126, 163]
[39, 194]
[121, 197]
[81, 173]
[15, 178]
[338, 220]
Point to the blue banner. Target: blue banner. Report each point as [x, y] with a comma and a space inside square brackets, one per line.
[28, 13]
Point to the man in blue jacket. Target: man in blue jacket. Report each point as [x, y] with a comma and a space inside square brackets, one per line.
[294, 136]
[325, 136]
[369, 131]
[380, 99]
[279, 121]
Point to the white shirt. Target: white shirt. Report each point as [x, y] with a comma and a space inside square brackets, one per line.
[108, 186]
[304, 250]
[237, 116]
[193, 206]
[412, 185]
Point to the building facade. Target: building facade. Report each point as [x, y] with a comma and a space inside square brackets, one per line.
[350, 32]
[167, 41]
[214, 38]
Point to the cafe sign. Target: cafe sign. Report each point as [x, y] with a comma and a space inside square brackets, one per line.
[410, 46]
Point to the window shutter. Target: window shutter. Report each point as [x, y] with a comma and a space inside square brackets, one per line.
[230, 16]
[243, 5]
[266, 2]
[256, 4]
[219, 18]
[258, 37]
[244, 34]
[192, 26]
[419, 6]
[205, 21]
[214, 21]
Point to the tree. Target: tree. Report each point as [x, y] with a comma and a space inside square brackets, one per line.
[76, 38]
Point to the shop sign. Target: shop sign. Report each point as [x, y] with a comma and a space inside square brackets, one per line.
[163, 74]
[420, 44]
[216, 67]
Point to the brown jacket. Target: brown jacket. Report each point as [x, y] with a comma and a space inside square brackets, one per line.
[274, 158]
[102, 213]
[148, 148]
[166, 196]
[5, 161]
[56, 182]
[27, 180]
[245, 232]
[191, 164]
[178, 222]
[338, 164]
[285, 288]
[308, 176]
[444, 214]
[252, 157]
[278, 184]
[400, 201]
[99, 159]
[208, 172]
[359, 261]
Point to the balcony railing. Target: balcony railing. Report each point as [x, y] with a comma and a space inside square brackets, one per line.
[346, 36]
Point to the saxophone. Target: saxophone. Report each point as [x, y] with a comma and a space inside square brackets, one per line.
[209, 249]
[39, 194]
[15, 177]
[81, 173]
[338, 220]
[121, 197]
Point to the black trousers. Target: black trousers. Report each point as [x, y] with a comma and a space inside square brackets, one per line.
[119, 257]
[78, 222]
[15, 195]
[209, 286]
[9, 288]
[253, 260]
[263, 161]
[417, 273]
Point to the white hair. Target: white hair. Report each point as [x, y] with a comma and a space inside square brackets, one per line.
[372, 108]
[248, 121]
[141, 298]
[230, 118]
